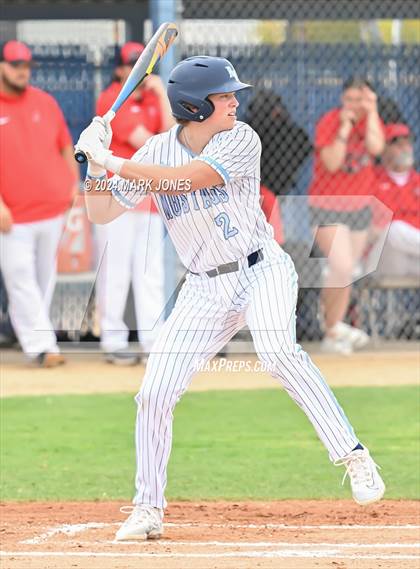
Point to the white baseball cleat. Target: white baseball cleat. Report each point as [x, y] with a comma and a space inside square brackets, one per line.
[366, 484]
[144, 522]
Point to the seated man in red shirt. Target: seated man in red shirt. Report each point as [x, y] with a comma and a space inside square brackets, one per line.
[347, 139]
[398, 188]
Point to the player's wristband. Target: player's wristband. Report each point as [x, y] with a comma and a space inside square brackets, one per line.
[95, 172]
[99, 182]
[114, 164]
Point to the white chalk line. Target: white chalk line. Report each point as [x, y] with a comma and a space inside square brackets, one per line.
[73, 529]
[165, 543]
[66, 529]
[255, 554]
[290, 527]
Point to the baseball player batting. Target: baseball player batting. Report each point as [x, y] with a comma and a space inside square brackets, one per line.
[237, 274]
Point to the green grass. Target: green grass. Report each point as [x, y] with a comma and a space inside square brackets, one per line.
[231, 444]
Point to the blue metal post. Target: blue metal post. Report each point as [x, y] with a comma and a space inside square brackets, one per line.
[165, 11]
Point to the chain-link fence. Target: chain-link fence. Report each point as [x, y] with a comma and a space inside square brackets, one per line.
[299, 62]
[308, 72]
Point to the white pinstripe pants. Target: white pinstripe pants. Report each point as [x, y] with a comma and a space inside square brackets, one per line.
[208, 312]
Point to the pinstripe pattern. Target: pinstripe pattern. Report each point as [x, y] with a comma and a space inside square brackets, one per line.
[209, 311]
[271, 320]
[195, 331]
[207, 314]
[235, 155]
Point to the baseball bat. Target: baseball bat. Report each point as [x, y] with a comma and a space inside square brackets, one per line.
[153, 52]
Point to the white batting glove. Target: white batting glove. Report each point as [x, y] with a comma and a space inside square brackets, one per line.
[106, 133]
[94, 141]
[99, 131]
[94, 151]
[100, 158]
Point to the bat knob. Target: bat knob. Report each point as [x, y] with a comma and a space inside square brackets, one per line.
[80, 157]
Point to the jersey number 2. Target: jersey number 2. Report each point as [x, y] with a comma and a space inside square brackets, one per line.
[222, 220]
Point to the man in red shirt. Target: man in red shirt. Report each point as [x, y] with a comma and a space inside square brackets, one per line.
[145, 113]
[346, 141]
[398, 188]
[35, 151]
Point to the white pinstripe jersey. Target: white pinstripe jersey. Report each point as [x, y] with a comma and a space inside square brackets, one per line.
[211, 226]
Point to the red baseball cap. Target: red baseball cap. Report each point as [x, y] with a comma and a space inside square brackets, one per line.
[396, 130]
[15, 51]
[130, 52]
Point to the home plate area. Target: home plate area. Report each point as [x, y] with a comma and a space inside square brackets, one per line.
[213, 535]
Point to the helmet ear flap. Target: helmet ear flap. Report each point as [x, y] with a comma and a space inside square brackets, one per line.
[210, 104]
[188, 107]
[192, 108]
[206, 109]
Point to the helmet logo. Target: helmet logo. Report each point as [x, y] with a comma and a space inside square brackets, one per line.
[232, 72]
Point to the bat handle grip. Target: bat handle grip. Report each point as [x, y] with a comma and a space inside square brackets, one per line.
[80, 156]
[108, 116]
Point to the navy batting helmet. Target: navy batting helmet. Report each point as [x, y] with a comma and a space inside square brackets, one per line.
[194, 79]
